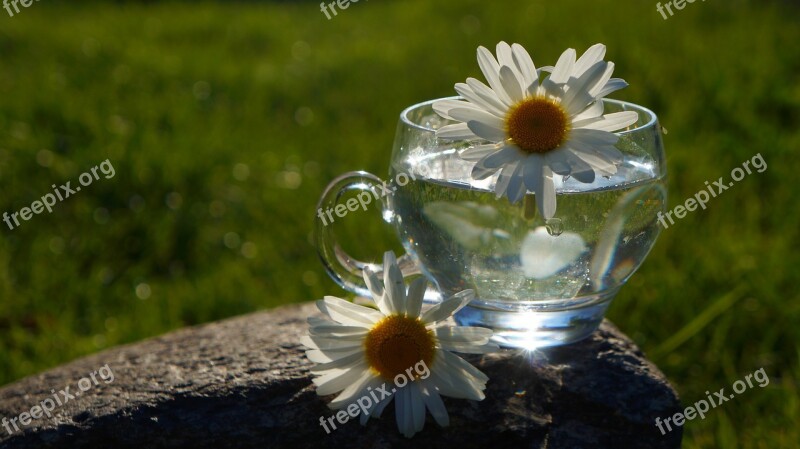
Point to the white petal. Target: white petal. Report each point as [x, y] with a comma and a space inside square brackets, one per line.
[445, 373]
[601, 83]
[443, 107]
[557, 161]
[345, 312]
[563, 69]
[402, 411]
[488, 96]
[456, 378]
[467, 115]
[491, 70]
[318, 321]
[509, 171]
[376, 289]
[539, 179]
[332, 329]
[458, 131]
[609, 122]
[395, 288]
[549, 88]
[479, 171]
[511, 83]
[456, 387]
[416, 292]
[372, 383]
[594, 137]
[599, 163]
[384, 303]
[594, 110]
[340, 363]
[376, 412]
[611, 86]
[329, 355]
[374, 409]
[505, 57]
[457, 362]
[478, 152]
[417, 406]
[435, 405]
[543, 255]
[328, 343]
[516, 187]
[610, 152]
[502, 157]
[486, 131]
[577, 97]
[532, 171]
[338, 380]
[481, 96]
[448, 307]
[607, 152]
[530, 78]
[580, 170]
[590, 57]
[343, 340]
[355, 390]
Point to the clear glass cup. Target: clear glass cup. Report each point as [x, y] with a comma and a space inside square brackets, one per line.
[537, 282]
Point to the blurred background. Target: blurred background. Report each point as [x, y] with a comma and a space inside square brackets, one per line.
[224, 122]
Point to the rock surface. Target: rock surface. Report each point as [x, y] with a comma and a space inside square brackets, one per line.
[244, 383]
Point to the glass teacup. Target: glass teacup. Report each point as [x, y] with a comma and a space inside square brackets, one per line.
[537, 282]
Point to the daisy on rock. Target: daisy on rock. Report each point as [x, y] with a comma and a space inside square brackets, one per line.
[360, 350]
[534, 129]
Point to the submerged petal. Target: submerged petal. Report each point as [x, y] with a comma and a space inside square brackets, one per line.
[543, 255]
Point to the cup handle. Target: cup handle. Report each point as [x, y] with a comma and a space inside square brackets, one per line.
[341, 267]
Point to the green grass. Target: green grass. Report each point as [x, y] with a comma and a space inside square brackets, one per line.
[203, 109]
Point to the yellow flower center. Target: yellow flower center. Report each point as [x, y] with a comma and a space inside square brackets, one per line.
[398, 343]
[537, 125]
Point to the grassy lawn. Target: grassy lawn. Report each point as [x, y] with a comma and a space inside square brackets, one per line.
[224, 122]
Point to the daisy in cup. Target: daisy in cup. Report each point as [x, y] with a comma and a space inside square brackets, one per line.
[398, 349]
[534, 129]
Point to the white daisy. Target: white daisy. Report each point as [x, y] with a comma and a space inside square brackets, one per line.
[360, 349]
[537, 129]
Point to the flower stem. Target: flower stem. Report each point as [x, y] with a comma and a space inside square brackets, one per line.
[529, 207]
